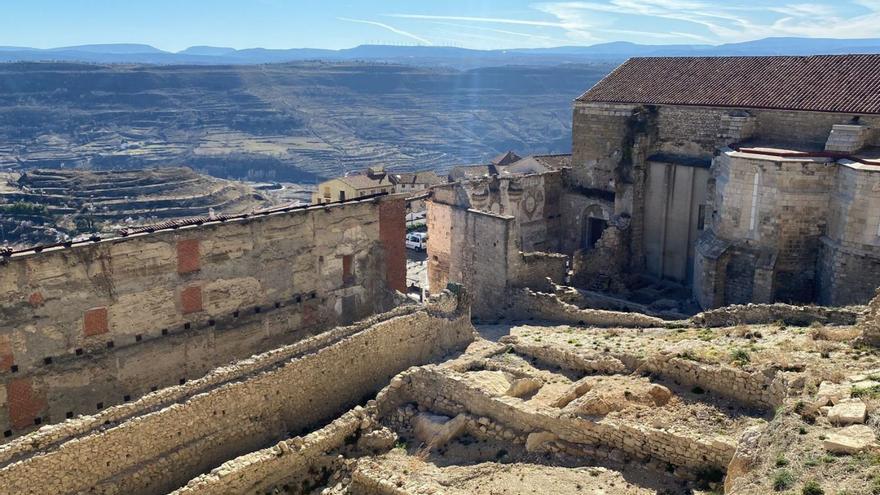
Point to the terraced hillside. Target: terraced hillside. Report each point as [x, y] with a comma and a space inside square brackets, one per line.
[288, 122]
[46, 205]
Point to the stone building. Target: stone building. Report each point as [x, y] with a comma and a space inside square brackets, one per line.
[742, 179]
[356, 185]
[752, 179]
[413, 182]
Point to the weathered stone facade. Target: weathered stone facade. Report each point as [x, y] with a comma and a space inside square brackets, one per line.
[168, 437]
[102, 323]
[494, 234]
[793, 246]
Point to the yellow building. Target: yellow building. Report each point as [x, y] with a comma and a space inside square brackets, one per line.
[352, 186]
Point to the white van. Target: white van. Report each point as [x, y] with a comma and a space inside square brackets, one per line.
[417, 241]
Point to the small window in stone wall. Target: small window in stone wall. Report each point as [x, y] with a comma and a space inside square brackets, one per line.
[347, 275]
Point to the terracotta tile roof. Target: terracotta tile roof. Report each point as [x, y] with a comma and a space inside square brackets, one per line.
[824, 83]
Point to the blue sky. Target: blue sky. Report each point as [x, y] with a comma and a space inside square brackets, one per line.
[176, 24]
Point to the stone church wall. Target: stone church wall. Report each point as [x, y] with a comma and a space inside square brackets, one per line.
[613, 143]
[849, 259]
[101, 323]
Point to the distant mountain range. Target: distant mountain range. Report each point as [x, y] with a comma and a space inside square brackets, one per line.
[430, 55]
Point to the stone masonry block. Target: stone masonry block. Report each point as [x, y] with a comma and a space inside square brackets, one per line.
[191, 299]
[95, 322]
[24, 403]
[188, 256]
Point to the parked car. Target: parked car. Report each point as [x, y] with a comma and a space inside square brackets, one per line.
[417, 241]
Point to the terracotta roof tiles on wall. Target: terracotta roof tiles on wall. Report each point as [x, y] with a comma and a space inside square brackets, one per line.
[823, 83]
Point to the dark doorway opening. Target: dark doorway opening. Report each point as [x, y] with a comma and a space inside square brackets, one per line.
[595, 227]
[341, 195]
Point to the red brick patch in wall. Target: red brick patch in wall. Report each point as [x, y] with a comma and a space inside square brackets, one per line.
[188, 256]
[310, 315]
[36, 299]
[191, 299]
[95, 322]
[392, 234]
[6, 357]
[24, 404]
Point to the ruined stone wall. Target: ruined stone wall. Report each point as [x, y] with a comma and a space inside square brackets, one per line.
[538, 270]
[756, 389]
[795, 230]
[764, 389]
[160, 446]
[96, 324]
[297, 461]
[526, 304]
[476, 236]
[471, 248]
[765, 314]
[849, 264]
[532, 200]
[439, 393]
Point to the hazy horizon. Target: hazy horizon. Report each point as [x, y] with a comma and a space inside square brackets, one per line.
[491, 24]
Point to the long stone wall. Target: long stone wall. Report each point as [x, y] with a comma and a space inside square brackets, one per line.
[526, 304]
[101, 323]
[240, 414]
[297, 461]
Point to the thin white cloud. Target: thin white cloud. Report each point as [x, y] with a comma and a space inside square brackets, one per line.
[389, 28]
[573, 30]
[706, 21]
[729, 23]
[493, 20]
[869, 4]
[546, 40]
